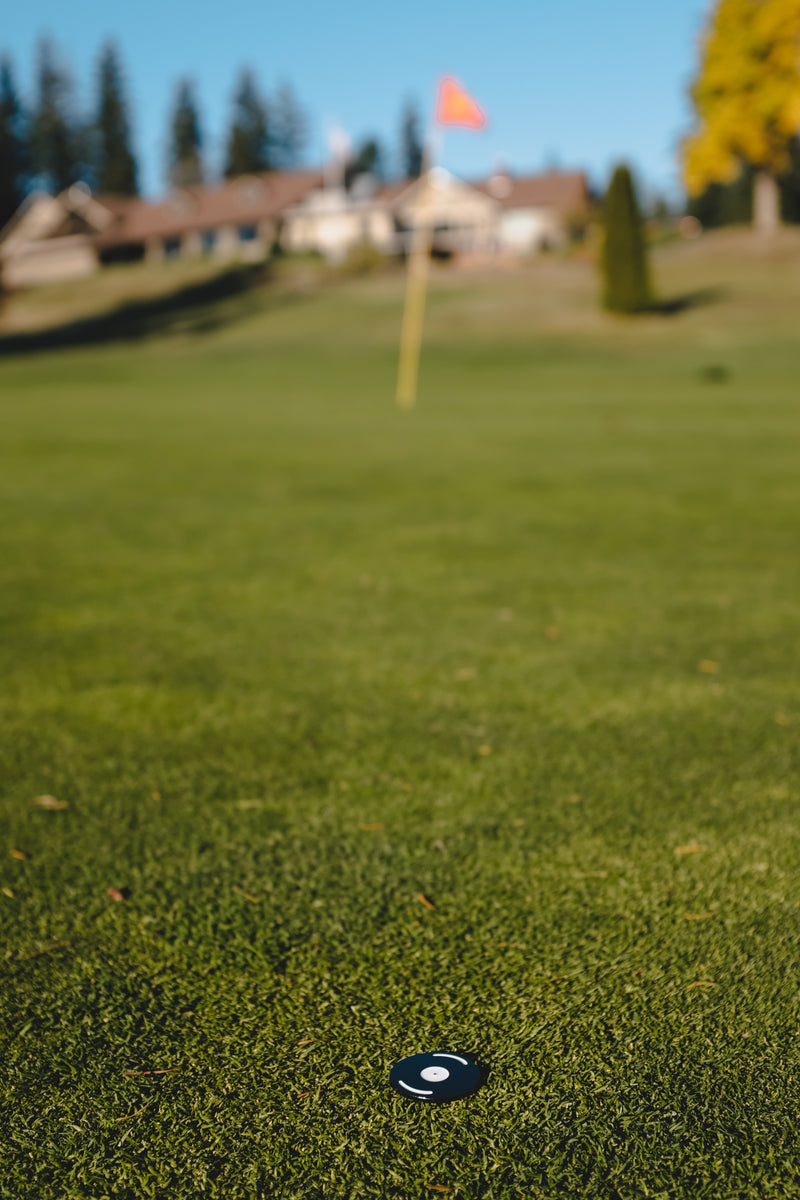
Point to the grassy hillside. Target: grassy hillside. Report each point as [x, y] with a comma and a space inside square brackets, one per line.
[370, 733]
[49, 304]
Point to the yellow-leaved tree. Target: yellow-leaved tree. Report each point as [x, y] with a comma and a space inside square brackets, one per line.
[747, 100]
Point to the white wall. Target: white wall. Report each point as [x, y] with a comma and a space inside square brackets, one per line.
[49, 262]
[523, 230]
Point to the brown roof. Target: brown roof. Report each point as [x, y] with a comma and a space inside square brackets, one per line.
[390, 191]
[567, 191]
[240, 201]
[116, 204]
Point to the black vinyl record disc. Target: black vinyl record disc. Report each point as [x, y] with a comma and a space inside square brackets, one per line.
[435, 1077]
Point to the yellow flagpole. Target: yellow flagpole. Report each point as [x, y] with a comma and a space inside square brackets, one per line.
[416, 287]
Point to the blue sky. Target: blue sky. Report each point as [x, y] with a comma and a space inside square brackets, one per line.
[577, 83]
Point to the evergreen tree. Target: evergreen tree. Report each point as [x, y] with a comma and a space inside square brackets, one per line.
[626, 284]
[411, 145]
[367, 160]
[747, 99]
[248, 140]
[13, 156]
[54, 134]
[114, 164]
[289, 129]
[371, 158]
[186, 140]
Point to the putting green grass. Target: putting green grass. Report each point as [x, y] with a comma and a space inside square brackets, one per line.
[473, 728]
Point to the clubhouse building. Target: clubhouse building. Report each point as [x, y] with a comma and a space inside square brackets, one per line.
[77, 233]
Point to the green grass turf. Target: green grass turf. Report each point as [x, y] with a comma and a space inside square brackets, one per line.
[293, 658]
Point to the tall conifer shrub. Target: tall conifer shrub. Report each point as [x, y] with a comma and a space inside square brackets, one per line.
[626, 280]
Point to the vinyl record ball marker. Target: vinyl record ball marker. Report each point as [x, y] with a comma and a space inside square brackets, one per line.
[435, 1077]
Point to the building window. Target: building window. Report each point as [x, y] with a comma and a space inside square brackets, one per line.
[208, 240]
[172, 247]
[248, 233]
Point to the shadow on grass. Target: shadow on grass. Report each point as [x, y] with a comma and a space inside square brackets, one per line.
[680, 304]
[186, 310]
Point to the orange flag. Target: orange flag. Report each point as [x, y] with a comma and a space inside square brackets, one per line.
[455, 107]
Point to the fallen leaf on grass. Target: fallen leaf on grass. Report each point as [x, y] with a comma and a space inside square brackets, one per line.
[247, 895]
[138, 1113]
[371, 826]
[702, 983]
[708, 666]
[692, 848]
[19, 854]
[552, 633]
[8, 892]
[305, 1042]
[46, 950]
[164, 1071]
[115, 893]
[300, 1095]
[424, 900]
[696, 916]
[436, 1187]
[484, 750]
[50, 802]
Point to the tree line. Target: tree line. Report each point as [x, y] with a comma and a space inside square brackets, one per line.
[48, 143]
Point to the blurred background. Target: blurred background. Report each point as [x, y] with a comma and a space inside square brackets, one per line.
[327, 119]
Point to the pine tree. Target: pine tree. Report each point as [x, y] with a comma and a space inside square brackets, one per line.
[13, 155]
[54, 134]
[248, 139]
[289, 129]
[114, 164]
[747, 99]
[367, 160]
[411, 146]
[626, 283]
[186, 140]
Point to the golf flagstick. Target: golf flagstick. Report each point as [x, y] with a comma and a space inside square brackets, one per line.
[416, 286]
[453, 107]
